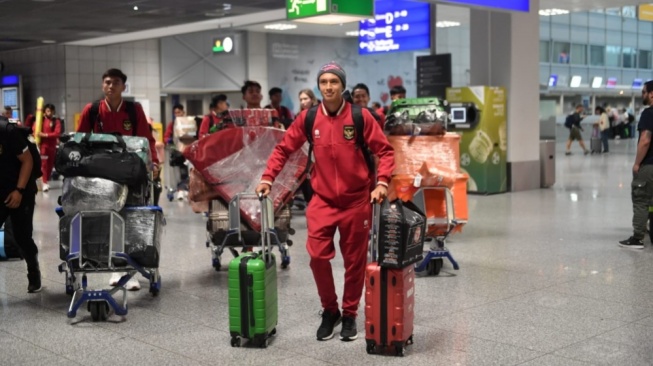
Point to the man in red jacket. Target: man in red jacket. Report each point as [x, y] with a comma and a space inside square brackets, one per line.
[343, 190]
[113, 117]
[50, 133]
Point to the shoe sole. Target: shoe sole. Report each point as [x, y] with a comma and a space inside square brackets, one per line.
[631, 246]
[35, 291]
[349, 339]
[332, 333]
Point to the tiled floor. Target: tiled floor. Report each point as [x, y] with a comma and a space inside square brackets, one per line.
[542, 282]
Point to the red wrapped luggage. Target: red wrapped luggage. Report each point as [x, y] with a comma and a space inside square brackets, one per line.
[232, 161]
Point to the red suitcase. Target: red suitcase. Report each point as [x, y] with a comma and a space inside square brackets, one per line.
[389, 308]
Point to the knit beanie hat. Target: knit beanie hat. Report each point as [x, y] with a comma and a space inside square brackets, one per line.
[333, 68]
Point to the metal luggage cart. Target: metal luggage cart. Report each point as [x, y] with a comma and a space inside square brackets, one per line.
[93, 250]
[226, 230]
[438, 229]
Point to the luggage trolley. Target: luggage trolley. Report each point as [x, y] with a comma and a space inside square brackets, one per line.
[226, 229]
[438, 229]
[97, 245]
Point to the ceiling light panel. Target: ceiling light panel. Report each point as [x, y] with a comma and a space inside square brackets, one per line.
[554, 11]
[280, 26]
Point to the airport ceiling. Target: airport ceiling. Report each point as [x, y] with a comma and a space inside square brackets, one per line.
[30, 23]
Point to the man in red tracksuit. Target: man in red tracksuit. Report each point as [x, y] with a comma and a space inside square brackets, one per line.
[112, 118]
[50, 133]
[343, 190]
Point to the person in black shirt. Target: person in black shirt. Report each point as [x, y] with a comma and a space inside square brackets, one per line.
[642, 186]
[575, 130]
[17, 196]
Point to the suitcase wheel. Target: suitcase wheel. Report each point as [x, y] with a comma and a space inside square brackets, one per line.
[216, 264]
[236, 342]
[400, 351]
[371, 347]
[273, 332]
[410, 340]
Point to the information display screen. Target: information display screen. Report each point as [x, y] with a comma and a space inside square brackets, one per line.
[458, 115]
[397, 26]
[10, 97]
[517, 5]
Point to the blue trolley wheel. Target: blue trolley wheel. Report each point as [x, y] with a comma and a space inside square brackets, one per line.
[155, 287]
[285, 262]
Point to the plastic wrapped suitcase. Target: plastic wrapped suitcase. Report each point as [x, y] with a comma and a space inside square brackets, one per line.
[233, 160]
[143, 232]
[253, 308]
[389, 303]
[92, 194]
[416, 116]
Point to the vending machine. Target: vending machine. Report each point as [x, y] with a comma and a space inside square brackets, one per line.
[11, 92]
[478, 114]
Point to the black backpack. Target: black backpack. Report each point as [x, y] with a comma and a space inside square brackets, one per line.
[94, 115]
[359, 125]
[6, 127]
[569, 122]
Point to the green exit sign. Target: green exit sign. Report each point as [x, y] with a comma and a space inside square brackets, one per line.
[223, 44]
[329, 11]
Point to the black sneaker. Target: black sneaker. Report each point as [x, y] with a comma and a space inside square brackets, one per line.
[329, 322]
[348, 332]
[34, 279]
[567, 153]
[632, 242]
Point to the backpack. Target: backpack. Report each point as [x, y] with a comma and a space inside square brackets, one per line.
[631, 118]
[569, 122]
[6, 126]
[359, 124]
[130, 108]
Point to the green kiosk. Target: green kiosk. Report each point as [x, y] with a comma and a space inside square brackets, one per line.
[478, 115]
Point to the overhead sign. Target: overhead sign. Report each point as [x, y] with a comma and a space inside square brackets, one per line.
[645, 12]
[638, 83]
[223, 44]
[553, 81]
[612, 83]
[515, 5]
[397, 26]
[329, 11]
[433, 75]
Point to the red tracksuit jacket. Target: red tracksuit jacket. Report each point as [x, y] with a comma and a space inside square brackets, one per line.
[118, 121]
[53, 130]
[340, 175]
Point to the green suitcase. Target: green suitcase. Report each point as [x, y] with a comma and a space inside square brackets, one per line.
[415, 106]
[253, 309]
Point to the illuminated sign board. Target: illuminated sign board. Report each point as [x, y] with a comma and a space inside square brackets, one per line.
[612, 83]
[516, 5]
[553, 81]
[397, 26]
[223, 44]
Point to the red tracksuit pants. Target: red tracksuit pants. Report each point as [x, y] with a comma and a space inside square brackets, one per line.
[353, 224]
[47, 160]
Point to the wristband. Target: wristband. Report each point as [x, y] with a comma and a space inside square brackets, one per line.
[20, 190]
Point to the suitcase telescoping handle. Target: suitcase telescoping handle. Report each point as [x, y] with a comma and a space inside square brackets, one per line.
[266, 245]
[376, 222]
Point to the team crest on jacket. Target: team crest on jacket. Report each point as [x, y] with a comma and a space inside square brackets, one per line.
[127, 125]
[348, 132]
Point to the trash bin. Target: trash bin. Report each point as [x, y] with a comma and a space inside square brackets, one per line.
[547, 163]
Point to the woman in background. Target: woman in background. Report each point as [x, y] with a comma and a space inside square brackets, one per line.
[307, 99]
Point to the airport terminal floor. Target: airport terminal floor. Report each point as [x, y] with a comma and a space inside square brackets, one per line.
[542, 281]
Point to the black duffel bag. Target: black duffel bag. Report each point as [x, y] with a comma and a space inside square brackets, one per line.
[176, 158]
[101, 159]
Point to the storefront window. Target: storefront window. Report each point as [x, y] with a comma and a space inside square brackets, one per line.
[597, 56]
[560, 52]
[545, 51]
[644, 59]
[579, 54]
[612, 56]
[630, 58]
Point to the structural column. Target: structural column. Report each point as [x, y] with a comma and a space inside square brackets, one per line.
[505, 52]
